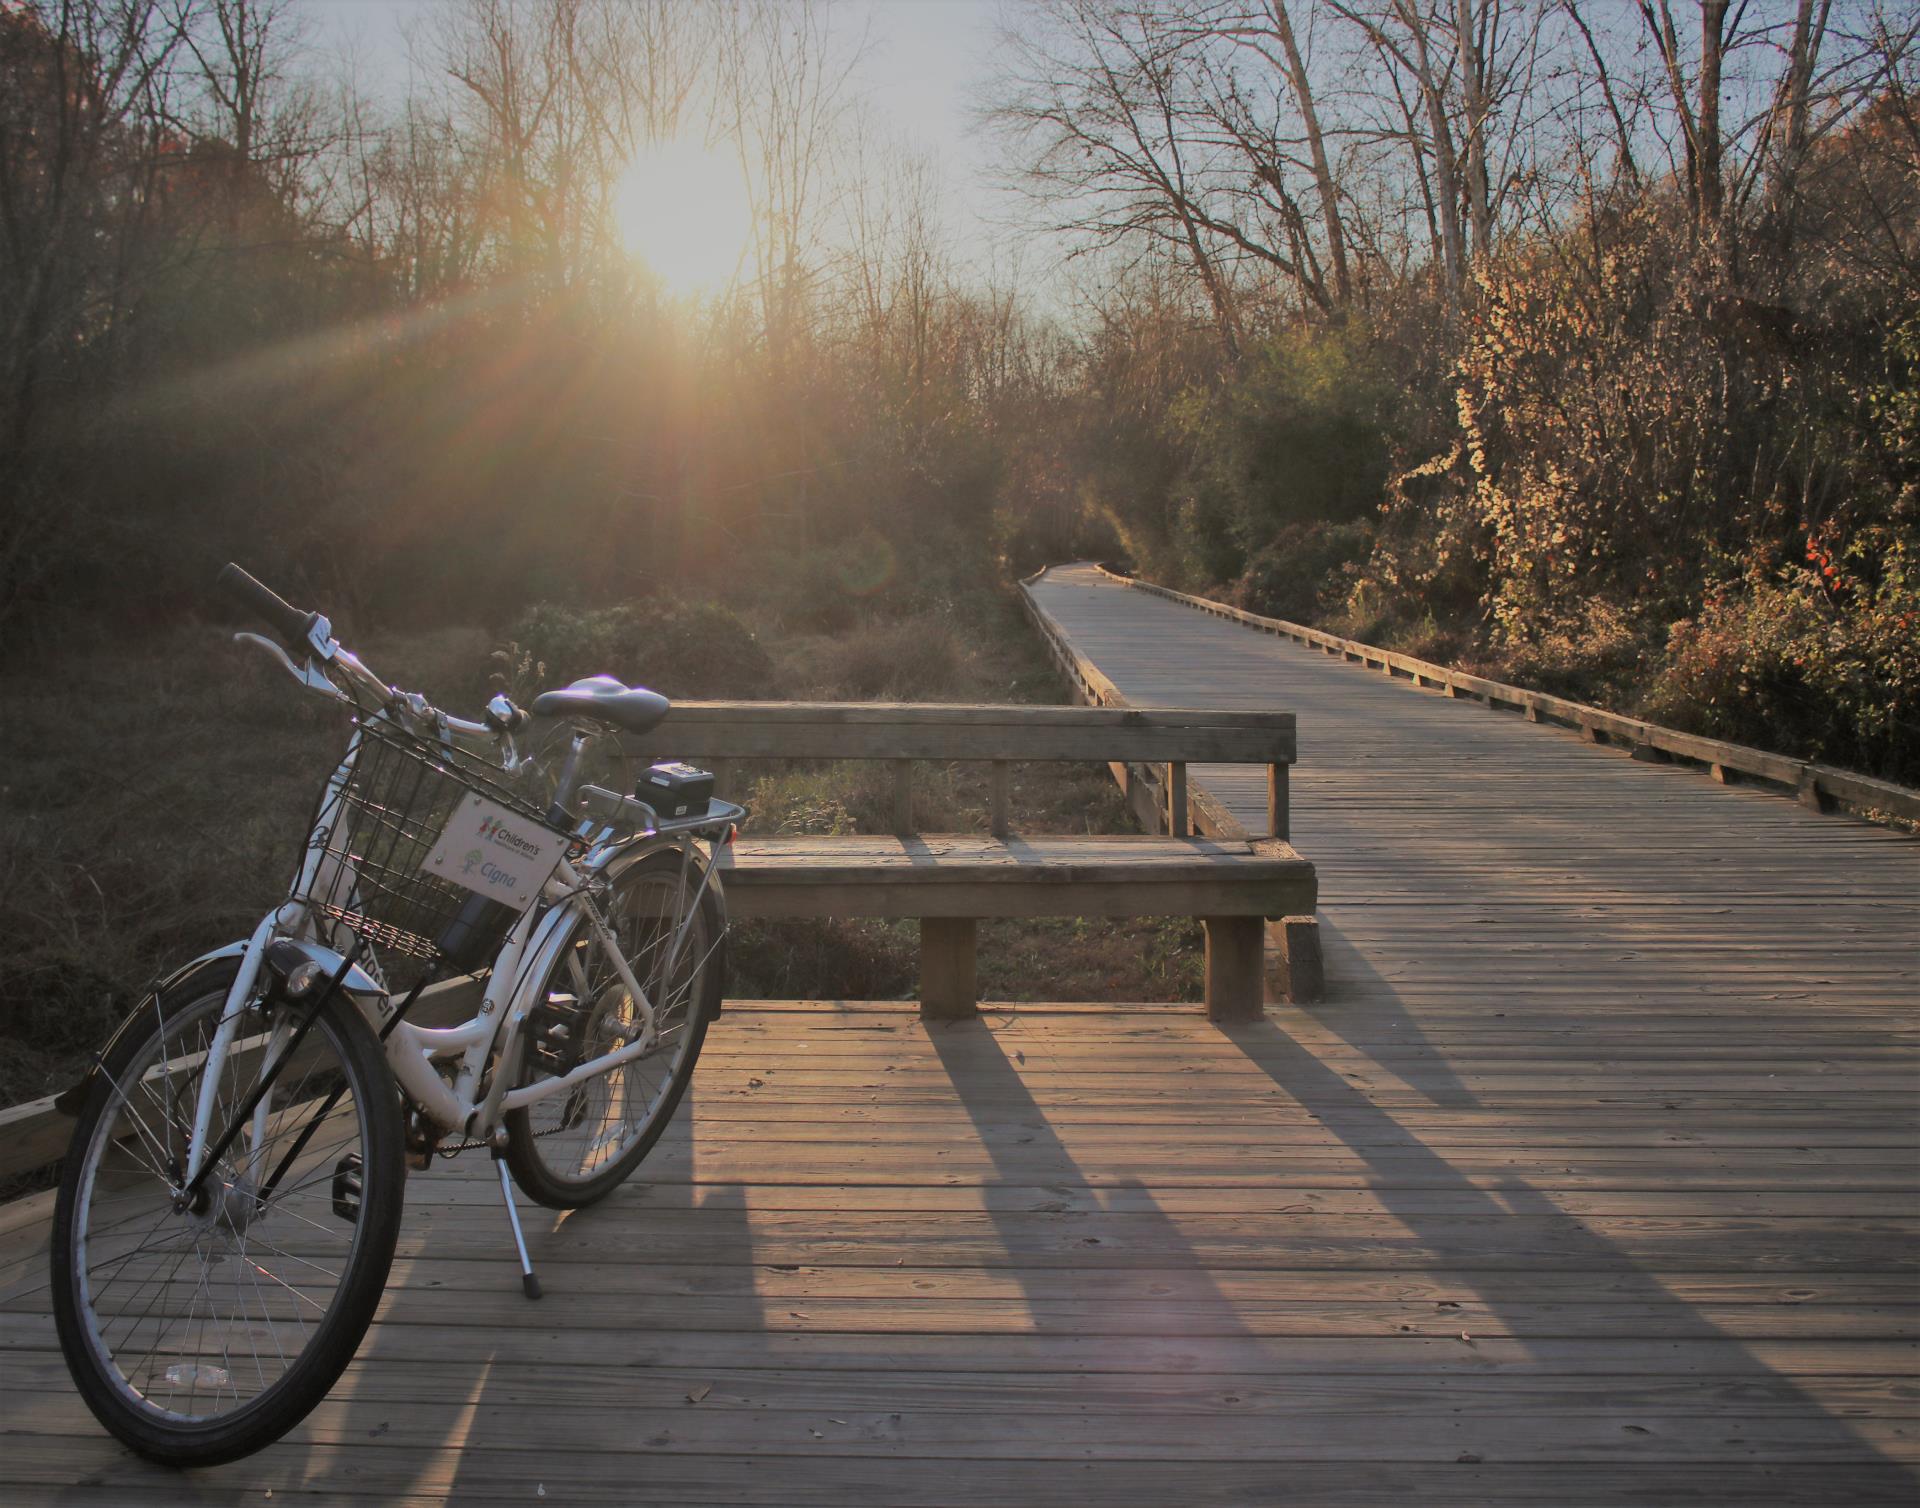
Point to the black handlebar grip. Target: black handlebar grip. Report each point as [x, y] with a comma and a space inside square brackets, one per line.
[287, 621]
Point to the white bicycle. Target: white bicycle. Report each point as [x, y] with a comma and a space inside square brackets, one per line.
[231, 1199]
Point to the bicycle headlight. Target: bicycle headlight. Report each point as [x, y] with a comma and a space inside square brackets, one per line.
[303, 979]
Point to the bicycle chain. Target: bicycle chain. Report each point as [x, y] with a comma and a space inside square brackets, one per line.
[476, 1146]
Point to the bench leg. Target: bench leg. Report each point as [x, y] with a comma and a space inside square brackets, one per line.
[1301, 968]
[948, 989]
[1235, 948]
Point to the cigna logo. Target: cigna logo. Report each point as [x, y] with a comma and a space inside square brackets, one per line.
[500, 835]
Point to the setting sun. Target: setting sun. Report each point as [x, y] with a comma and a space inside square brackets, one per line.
[683, 210]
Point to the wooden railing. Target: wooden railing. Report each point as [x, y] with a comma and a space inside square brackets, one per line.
[36, 1134]
[1296, 939]
[1159, 743]
[1151, 792]
[1815, 785]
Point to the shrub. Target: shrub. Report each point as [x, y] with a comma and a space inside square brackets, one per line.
[1822, 662]
[1299, 434]
[856, 796]
[914, 659]
[1291, 577]
[1591, 651]
[675, 647]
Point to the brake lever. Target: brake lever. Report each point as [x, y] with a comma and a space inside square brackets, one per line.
[311, 676]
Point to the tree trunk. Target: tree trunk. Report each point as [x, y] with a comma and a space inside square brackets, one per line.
[1317, 150]
[1473, 80]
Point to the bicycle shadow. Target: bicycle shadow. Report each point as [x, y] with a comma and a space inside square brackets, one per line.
[649, 1299]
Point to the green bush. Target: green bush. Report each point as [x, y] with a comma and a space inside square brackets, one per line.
[1292, 577]
[678, 648]
[1301, 433]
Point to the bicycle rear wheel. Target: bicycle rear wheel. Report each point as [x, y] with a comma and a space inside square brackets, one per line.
[198, 1330]
[575, 1148]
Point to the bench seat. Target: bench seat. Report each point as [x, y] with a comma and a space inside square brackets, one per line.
[949, 882]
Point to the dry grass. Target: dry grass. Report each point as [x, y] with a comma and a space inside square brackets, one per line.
[152, 806]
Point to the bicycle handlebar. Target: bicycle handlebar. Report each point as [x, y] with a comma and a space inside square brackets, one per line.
[295, 628]
[281, 616]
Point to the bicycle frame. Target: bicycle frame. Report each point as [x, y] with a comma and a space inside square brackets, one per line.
[526, 958]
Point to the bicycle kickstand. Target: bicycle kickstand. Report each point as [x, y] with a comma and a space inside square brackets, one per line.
[528, 1281]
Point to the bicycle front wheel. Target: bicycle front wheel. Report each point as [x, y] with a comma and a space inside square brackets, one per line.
[200, 1328]
[575, 1147]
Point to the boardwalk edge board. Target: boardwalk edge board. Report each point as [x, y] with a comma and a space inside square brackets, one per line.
[1813, 785]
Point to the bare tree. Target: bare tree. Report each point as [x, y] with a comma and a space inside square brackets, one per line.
[563, 93]
[85, 97]
[1271, 20]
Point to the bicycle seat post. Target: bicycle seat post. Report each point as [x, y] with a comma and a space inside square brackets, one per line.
[563, 793]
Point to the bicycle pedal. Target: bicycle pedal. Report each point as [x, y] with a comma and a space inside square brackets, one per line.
[349, 1184]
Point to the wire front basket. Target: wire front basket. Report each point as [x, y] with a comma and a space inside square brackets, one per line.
[376, 827]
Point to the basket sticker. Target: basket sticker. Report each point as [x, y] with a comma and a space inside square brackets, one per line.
[494, 852]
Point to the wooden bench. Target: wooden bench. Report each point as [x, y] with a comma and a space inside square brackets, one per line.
[949, 883]
[1227, 879]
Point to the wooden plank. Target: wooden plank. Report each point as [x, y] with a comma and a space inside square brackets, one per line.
[1600, 1166]
[1297, 943]
[457, 1468]
[34, 1134]
[968, 875]
[903, 797]
[896, 895]
[944, 731]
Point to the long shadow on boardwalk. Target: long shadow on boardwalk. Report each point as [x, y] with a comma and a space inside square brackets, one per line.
[1797, 1430]
[995, 1095]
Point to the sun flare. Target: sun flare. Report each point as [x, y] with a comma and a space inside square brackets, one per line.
[684, 211]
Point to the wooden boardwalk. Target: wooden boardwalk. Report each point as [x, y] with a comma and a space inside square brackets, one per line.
[1594, 1182]
[1713, 990]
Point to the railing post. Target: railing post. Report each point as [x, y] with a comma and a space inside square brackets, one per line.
[997, 799]
[903, 798]
[1279, 818]
[1177, 800]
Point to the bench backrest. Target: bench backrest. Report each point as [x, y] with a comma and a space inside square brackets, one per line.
[910, 730]
[1126, 737]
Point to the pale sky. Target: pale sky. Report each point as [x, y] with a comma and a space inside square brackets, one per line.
[923, 59]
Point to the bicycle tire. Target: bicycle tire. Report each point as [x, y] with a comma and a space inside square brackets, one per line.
[306, 1266]
[549, 1161]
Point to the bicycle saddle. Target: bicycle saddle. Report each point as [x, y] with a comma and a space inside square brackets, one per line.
[606, 700]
